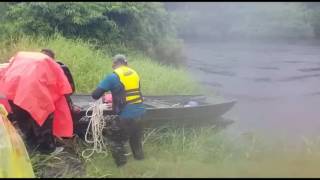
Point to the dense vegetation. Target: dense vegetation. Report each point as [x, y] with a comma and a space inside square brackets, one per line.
[152, 28]
[313, 10]
[146, 27]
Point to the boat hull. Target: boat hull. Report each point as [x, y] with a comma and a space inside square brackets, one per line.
[163, 110]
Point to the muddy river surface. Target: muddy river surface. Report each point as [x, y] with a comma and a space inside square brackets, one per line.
[276, 85]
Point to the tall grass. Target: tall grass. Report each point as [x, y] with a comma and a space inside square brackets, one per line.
[89, 66]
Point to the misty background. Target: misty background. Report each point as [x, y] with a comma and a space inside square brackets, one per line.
[263, 54]
[201, 21]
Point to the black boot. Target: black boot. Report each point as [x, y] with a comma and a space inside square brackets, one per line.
[47, 144]
[44, 136]
[118, 153]
[137, 151]
[117, 139]
[135, 142]
[136, 147]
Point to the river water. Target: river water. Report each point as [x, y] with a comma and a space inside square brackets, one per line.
[276, 85]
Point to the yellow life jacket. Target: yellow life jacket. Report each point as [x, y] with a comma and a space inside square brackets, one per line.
[130, 80]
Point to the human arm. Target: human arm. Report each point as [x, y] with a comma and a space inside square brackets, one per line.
[108, 83]
[97, 93]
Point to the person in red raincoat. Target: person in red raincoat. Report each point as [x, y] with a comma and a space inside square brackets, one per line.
[35, 86]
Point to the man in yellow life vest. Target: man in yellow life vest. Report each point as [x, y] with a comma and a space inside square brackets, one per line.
[127, 102]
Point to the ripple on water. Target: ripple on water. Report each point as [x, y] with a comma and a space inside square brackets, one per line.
[309, 69]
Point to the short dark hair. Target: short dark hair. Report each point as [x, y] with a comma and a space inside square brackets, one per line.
[48, 52]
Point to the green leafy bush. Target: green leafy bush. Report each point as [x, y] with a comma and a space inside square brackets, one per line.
[142, 26]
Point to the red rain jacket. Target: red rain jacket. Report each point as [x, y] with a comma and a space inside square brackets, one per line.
[37, 84]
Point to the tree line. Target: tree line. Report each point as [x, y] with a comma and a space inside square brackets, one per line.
[143, 26]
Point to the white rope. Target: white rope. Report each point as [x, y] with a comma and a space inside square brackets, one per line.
[96, 124]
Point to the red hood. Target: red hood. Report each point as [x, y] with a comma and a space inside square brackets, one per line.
[36, 83]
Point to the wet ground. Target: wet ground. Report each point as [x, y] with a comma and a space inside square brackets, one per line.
[277, 85]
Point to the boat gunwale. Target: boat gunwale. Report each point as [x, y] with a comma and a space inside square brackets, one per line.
[233, 101]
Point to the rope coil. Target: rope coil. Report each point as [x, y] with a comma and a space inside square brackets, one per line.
[97, 123]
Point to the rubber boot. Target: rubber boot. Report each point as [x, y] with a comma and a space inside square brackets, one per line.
[117, 138]
[135, 141]
[46, 144]
[137, 150]
[44, 136]
[118, 153]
